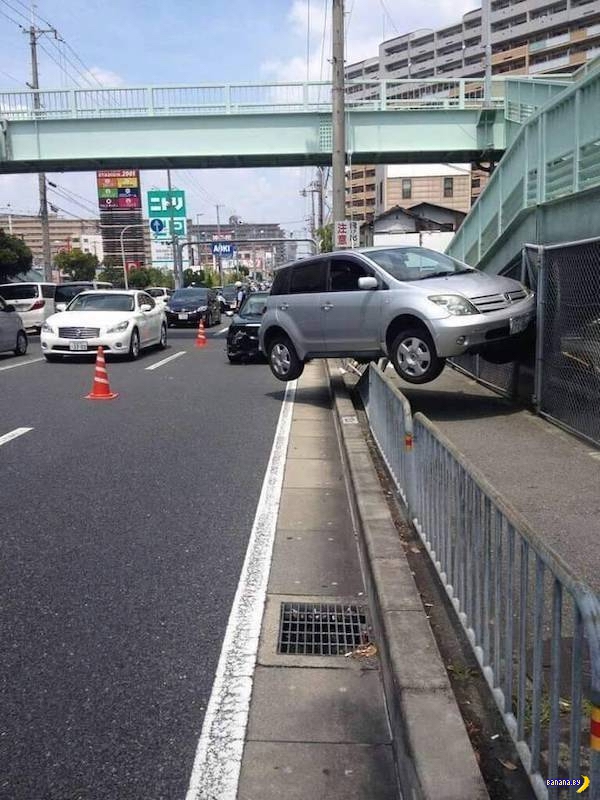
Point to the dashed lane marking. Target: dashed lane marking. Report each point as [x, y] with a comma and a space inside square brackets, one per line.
[218, 759]
[218, 333]
[166, 360]
[8, 437]
[21, 364]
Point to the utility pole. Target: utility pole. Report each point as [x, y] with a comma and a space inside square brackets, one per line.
[219, 261]
[177, 273]
[338, 160]
[320, 196]
[34, 34]
[486, 35]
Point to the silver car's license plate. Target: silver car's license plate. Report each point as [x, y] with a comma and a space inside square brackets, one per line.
[78, 345]
[518, 324]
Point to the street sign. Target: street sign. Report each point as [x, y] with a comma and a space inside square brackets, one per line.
[163, 228]
[166, 204]
[226, 249]
[346, 233]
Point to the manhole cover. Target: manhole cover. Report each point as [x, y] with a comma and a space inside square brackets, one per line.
[321, 629]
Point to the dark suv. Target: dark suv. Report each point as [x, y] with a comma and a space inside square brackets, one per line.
[190, 305]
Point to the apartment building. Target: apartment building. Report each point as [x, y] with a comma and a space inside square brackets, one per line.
[527, 37]
[65, 234]
[253, 255]
[84, 234]
[408, 185]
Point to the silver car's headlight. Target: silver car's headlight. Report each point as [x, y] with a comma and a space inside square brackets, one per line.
[47, 328]
[202, 308]
[122, 326]
[454, 304]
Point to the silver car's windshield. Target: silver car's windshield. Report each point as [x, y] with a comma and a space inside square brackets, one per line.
[416, 263]
[111, 301]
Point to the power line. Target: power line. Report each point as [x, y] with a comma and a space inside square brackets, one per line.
[389, 16]
[16, 10]
[11, 77]
[14, 21]
[28, 16]
[52, 58]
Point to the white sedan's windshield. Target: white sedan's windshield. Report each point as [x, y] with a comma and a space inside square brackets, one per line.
[416, 263]
[111, 301]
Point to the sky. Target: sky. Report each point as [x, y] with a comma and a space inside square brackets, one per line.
[146, 42]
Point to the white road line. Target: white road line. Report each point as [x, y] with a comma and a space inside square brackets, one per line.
[222, 331]
[21, 364]
[166, 360]
[218, 759]
[8, 437]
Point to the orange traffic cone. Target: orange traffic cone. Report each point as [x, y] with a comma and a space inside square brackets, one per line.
[101, 388]
[201, 337]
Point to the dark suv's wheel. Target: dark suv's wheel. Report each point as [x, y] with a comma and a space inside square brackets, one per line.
[414, 356]
[283, 359]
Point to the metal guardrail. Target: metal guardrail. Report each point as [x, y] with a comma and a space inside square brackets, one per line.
[555, 153]
[252, 98]
[534, 628]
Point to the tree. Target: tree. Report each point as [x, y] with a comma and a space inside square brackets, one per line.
[15, 256]
[325, 238]
[77, 265]
[112, 274]
[139, 278]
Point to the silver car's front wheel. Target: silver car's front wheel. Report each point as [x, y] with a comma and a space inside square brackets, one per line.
[415, 358]
[283, 359]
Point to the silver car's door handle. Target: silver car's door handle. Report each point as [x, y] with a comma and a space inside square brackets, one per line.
[327, 307]
[284, 306]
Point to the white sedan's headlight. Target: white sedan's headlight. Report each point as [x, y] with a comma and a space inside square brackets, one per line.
[122, 326]
[454, 304]
[47, 328]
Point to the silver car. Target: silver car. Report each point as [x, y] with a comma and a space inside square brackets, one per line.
[411, 304]
[12, 330]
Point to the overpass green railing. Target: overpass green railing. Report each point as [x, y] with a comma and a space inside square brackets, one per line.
[251, 98]
[556, 153]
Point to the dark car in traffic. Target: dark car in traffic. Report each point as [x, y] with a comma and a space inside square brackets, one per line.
[242, 336]
[190, 305]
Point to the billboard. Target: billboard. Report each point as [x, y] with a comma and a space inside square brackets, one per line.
[119, 189]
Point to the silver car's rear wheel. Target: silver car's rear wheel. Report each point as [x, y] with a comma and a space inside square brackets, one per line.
[415, 358]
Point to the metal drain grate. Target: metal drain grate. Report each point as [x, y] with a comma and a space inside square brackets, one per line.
[321, 629]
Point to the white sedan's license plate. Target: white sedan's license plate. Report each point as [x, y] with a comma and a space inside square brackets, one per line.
[78, 345]
[182, 316]
[518, 324]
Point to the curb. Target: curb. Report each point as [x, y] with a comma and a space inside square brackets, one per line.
[433, 753]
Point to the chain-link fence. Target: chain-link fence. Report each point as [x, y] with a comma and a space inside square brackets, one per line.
[558, 362]
[567, 375]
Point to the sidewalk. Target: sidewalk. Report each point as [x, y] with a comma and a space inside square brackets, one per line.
[548, 475]
[352, 727]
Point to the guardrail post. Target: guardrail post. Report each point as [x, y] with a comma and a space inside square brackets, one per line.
[461, 94]
[305, 96]
[576, 136]
[228, 99]
[72, 103]
[383, 96]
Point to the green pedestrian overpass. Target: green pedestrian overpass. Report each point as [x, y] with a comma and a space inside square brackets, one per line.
[263, 125]
[546, 188]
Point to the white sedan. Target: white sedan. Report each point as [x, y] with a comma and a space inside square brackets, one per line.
[123, 322]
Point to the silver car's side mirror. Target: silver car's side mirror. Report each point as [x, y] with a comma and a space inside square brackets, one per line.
[367, 283]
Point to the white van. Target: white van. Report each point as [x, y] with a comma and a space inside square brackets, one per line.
[65, 292]
[33, 301]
